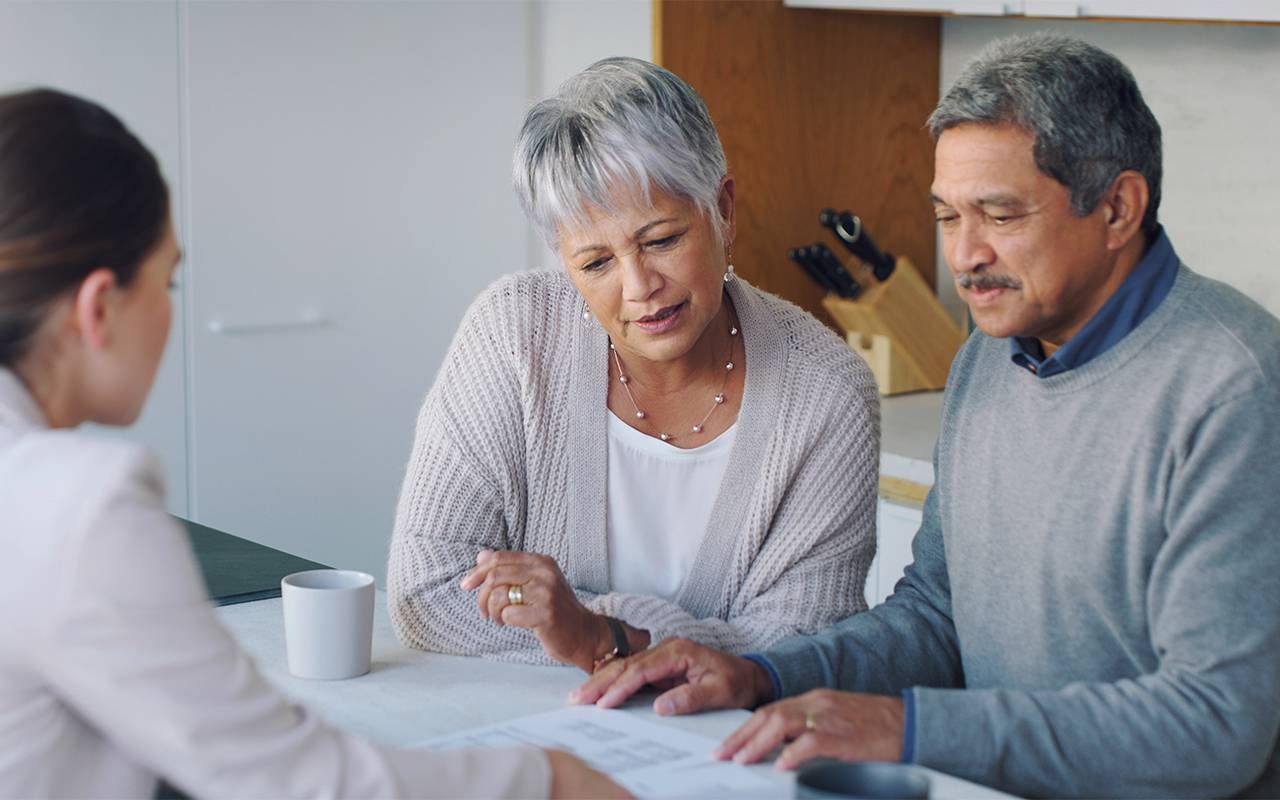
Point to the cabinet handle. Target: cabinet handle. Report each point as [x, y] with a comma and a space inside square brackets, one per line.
[307, 318]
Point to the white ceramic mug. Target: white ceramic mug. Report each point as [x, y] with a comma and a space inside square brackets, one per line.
[328, 623]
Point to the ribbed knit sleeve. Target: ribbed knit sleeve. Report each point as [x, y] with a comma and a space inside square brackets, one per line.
[461, 487]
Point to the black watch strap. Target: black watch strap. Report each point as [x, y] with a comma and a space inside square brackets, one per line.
[622, 648]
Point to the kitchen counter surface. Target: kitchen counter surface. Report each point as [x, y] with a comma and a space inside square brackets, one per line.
[908, 430]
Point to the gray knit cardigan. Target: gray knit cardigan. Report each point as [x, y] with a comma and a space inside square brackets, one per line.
[511, 454]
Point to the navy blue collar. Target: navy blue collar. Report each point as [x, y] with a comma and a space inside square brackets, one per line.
[1136, 298]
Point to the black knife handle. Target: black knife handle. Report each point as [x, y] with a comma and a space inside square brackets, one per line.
[848, 229]
[800, 255]
[847, 287]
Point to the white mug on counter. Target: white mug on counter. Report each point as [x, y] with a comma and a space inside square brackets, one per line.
[328, 623]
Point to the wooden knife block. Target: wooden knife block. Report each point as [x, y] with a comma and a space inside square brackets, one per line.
[901, 331]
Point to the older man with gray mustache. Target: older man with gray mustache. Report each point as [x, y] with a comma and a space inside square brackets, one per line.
[1094, 605]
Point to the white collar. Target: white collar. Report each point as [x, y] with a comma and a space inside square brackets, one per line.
[17, 407]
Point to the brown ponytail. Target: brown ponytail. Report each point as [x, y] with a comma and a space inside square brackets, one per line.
[78, 192]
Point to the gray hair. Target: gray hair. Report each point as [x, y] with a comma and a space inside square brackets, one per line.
[1080, 103]
[622, 123]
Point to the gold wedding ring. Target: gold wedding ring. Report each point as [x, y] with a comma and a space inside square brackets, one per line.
[515, 595]
[810, 722]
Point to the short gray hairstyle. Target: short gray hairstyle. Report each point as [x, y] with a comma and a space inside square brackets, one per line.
[622, 123]
[1080, 103]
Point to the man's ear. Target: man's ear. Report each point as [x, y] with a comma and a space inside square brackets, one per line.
[1124, 206]
[92, 308]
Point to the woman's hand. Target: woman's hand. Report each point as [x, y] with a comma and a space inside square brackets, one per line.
[567, 631]
[823, 722]
[694, 678]
[573, 780]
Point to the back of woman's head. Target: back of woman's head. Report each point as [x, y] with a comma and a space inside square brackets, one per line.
[78, 192]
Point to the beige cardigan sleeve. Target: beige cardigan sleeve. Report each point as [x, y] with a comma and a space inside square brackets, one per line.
[465, 469]
[133, 645]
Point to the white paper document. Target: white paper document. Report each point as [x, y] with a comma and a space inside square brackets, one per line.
[649, 759]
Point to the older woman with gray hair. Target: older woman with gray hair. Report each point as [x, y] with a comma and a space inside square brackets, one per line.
[639, 445]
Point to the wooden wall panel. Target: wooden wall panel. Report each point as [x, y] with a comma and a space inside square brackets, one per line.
[815, 108]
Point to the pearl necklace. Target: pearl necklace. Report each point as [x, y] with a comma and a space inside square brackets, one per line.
[716, 403]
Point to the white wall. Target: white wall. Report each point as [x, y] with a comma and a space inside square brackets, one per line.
[349, 158]
[572, 34]
[1213, 89]
[569, 35]
[125, 55]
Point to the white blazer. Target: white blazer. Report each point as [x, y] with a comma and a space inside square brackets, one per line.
[115, 670]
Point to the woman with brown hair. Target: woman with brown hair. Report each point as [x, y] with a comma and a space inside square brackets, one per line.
[113, 667]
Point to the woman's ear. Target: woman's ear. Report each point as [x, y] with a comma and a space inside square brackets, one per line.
[93, 307]
[728, 209]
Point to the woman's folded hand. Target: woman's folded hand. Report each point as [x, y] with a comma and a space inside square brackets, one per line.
[528, 590]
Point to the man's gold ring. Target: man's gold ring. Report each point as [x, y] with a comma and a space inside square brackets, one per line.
[515, 595]
[810, 722]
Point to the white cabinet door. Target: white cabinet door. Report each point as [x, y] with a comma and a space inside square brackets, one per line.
[896, 527]
[350, 191]
[123, 55]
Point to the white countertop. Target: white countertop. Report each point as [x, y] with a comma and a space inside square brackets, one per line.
[410, 695]
[908, 430]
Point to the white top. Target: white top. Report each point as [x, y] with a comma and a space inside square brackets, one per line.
[115, 670]
[660, 500]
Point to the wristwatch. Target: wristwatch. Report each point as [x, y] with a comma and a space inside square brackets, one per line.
[621, 647]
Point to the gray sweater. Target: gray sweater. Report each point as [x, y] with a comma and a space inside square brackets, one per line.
[1094, 606]
[511, 453]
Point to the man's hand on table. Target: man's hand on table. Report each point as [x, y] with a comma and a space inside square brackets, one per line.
[824, 722]
[821, 723]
